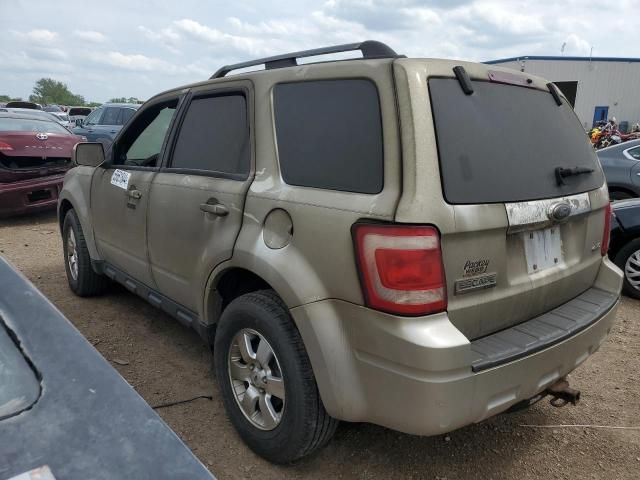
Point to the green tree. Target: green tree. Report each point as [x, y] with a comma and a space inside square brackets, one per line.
[125, 100]
[7, 98]
[50, 91]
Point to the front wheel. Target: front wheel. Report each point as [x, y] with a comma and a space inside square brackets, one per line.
[266, 381]
[77, 263]
[628, 260]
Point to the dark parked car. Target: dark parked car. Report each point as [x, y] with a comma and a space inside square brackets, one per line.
[34, 156]
[625, 243]
[621, 165]
[105, 122]
[65, 410]
[22, 104]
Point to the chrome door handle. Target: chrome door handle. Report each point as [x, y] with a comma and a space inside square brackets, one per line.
[217, 209]
[137, 194]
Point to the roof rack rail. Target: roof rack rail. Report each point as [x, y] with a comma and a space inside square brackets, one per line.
[369, 49]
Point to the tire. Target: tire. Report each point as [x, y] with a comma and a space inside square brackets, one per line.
[628, 260]
[83, 281]
[301, 424]
[619, 195]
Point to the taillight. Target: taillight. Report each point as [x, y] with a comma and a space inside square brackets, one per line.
[401, 268]
[5, 146]
[606, 235]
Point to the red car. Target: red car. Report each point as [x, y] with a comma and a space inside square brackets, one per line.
[34, 156]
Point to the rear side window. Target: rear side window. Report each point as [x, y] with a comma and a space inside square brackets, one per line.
[329, 134]
[503, 143]
[214, 136]
[125, 115]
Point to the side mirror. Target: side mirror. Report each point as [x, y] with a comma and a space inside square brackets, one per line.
[88, 154]
[79, 122]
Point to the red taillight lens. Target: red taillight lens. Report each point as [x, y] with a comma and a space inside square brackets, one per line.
[401, 268]
[606, 234]
[5, 146]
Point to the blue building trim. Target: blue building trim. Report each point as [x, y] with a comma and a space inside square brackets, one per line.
[571, 59]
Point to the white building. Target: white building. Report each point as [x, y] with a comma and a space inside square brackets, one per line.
[598, 88]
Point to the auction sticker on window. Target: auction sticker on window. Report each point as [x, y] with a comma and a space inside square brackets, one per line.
[120, 178]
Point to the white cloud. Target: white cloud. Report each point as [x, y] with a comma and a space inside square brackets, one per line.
[221, 40]
[90, 36]
[37, 36]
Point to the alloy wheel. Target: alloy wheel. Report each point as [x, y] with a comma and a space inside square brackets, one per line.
[632, 269]
[72, 254]
[256, 379]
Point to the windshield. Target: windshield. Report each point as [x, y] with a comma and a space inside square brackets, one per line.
[12, 124]
[52, 108]
[504, 143]
[79, 111]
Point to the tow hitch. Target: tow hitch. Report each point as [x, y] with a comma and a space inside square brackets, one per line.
[562, 394]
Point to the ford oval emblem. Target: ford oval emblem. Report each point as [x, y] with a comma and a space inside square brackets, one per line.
[42, 136]
[559, 212]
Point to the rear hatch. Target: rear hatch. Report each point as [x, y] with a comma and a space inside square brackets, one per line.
[520, 239]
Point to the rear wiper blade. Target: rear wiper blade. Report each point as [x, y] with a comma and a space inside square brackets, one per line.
[562, 172]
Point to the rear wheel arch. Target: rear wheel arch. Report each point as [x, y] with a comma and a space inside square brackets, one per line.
[228, 285]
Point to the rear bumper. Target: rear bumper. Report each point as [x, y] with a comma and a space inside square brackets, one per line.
[415, 375]
[30, 195]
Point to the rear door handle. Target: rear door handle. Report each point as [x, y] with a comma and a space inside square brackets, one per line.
[137, 194]
[217, 209]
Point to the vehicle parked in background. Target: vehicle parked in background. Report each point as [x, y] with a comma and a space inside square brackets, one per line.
[346, 252]
[40, 114]
[59, 113]
[621, 165]
[78, 113]
[34, 155]
[105, 122]
[65, 410]
[625, 243]
[22, 104]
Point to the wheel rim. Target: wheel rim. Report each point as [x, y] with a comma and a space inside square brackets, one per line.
[256, 379]
[632, 269]
[72, 255]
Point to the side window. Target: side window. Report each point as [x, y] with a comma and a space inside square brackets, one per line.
[94, 117]
[141, 142]
[214, 136]
[635, 153]
[110, 116]
[125, 115]
[329, 134]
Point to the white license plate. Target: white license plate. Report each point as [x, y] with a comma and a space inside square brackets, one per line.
[543, 249]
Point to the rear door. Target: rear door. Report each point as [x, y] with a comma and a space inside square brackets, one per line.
[120, 193]
[518, 239]
[197, 199]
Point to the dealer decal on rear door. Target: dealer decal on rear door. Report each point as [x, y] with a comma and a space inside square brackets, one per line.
[475, 276]
[120, 178]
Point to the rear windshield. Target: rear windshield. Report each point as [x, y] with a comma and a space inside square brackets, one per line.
[503, 143]
[9, 124]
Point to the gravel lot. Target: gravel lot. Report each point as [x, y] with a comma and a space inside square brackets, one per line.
[165, 362]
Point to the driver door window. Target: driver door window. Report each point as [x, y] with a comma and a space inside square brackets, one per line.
[94, 117]
[141, 144]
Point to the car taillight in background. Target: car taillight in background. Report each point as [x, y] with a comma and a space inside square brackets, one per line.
[606, 234]
[5, 146]
[401, 268]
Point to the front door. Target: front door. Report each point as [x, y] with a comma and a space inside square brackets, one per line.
[197, 199]
[600, 114]
[120, 193]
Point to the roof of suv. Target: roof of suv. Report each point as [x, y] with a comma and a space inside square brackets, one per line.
[130, 105]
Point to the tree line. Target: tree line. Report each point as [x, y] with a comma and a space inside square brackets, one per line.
[48, 91]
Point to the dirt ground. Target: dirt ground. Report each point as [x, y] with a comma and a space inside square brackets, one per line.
[167, 362]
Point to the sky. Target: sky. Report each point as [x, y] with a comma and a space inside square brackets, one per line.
[117, 48]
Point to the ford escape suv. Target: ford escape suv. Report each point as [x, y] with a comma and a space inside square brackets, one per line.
[370, 240]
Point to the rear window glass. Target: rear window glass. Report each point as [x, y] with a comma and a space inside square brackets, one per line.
[503, 144]
[214, 136]
[28, 125]
[330, 134]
